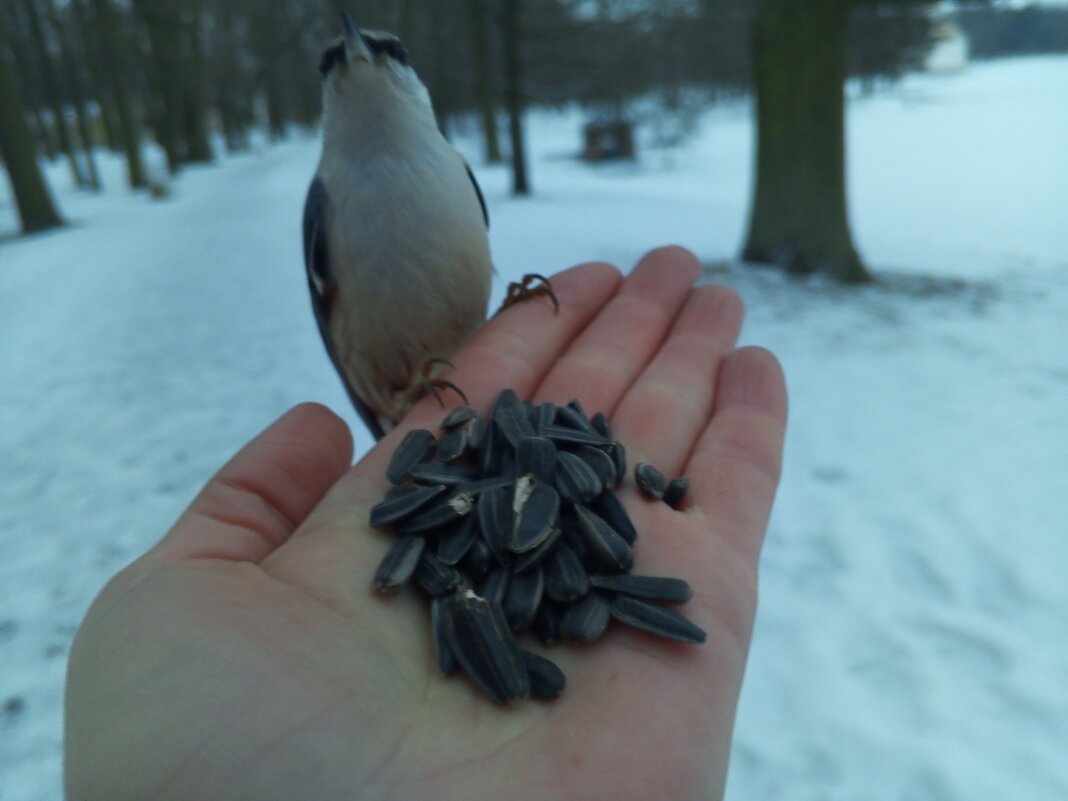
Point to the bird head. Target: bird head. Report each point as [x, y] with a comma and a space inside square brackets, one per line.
[367, 72]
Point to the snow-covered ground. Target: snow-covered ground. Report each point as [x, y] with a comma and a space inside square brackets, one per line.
[910, 642]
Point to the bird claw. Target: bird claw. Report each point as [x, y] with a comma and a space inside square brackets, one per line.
[433, 386]
[532, 285]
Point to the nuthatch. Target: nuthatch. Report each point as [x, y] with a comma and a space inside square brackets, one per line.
[395, 231]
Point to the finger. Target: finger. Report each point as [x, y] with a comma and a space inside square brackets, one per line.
[514, 349]
[602, 363]
[259, 497]
[736, 465]
[668, 407]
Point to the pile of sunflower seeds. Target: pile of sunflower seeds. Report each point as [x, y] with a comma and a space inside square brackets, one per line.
[511, 524]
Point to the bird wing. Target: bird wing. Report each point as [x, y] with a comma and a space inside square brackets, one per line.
[478, 191]
[323, 286]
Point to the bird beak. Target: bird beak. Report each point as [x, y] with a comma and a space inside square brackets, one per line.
[354, 39]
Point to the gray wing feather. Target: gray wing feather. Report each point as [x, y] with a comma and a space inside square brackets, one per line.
[322, 286]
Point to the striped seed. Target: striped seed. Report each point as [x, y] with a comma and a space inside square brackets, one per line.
[439, 514]
[511, 418]
[537, 456]
[495, 587]
[565, 576]
[436, 577]
[451, 475]
[562, 435]
[576, 481]
[611, 510]
[547, 681]
[523, 598]
[496, 521]
[649, 480]
[403, 504]
[656, 619]
[399, 563]
[457, 417]
[601, 463]
[606, 546]
[452, 445]
[536, 520]
[650, 588]
[457, 540]
[416, 446]
[485, 647]
[443, 653]
[525, 561]
[586, 619]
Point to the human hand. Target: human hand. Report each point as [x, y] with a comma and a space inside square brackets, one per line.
[246, 656]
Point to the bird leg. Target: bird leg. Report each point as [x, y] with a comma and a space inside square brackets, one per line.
[531, 286]
[427, 382]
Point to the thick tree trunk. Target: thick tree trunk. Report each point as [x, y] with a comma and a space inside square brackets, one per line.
[118, 62]
[99, 86]
[513, 91]
[799, 217]
[51, 89]
[36, 210]
[482, 62]
[161, 22]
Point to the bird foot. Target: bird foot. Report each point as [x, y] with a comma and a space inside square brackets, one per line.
[434, 385]
[531, 286]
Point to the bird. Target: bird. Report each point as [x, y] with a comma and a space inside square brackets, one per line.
[395, 232]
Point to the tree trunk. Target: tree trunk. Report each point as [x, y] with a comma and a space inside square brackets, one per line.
[36, 210]
[98, 83]
[76, 92]
[799, 217]
[483, 78]
[161, 23]
[117, 65]
[197, 141]
[51, 89]
[513, 91]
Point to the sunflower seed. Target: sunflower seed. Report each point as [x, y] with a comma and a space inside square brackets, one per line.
[439, 514]
[676, 491]
[586, 619]
[537, 456]
[619, 458]
[477, 561]
[525, 561]
[432, 473]
[565, 577]
[489, 450]
[458, 539]
[523, 598]
[562, 435]
[649, 480]
[537, 519]
[403, 504]
[475, 431]
[485, 647]
[478, 486]
[457, 417]
[495, 587]
[399, 563]
[600, 462]
[576, 481]
[611, 510]
[414, 448]
[546, 415]
[547, 623]
[511, 417]
[605, 544]
[436, 577]
[574, 418]
[651, 588]
[452, 445]
[496, 521]
[446, 661]
[600, 425]
[546, 679]
[656, 619]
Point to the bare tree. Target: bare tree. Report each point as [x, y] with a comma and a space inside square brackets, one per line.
[36, 210]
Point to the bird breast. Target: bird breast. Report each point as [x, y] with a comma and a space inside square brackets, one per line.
[411, 261]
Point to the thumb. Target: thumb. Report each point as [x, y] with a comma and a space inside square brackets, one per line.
[259, 497]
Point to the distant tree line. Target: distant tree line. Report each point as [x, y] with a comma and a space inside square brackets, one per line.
[195, 76]
[995, 32]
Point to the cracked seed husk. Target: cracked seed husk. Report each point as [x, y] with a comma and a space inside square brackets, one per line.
[537, 519]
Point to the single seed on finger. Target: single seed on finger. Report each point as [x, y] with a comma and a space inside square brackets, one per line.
[649, 480]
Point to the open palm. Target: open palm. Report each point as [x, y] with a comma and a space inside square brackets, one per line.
[246, 656]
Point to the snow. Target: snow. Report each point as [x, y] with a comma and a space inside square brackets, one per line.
[909, 641]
